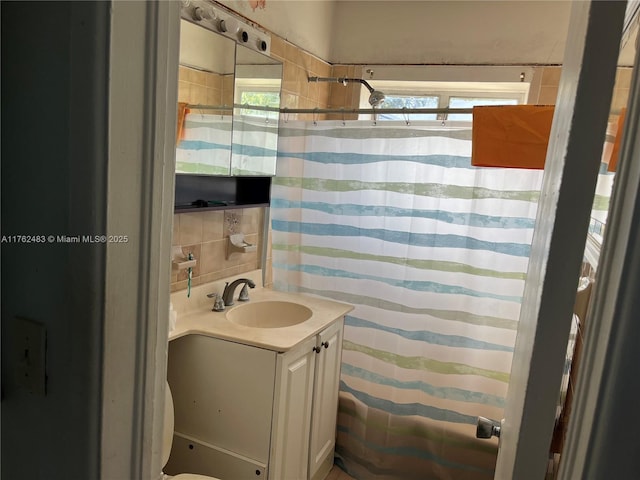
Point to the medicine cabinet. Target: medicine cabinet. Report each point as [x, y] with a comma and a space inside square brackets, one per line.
[207, 63]
[229, 96]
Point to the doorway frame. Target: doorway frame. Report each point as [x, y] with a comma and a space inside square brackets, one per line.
[601, 439]
[144, 371]
[143, 85]
[568, 187]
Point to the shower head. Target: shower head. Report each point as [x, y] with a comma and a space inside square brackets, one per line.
[376, 97]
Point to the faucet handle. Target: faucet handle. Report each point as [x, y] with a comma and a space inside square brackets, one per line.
[218, 304]
[244, 294]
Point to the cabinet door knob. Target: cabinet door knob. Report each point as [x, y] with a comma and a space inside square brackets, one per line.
[316, 349]
[325, 344]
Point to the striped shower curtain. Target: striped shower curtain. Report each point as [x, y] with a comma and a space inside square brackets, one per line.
[433, 254]
[254, 146]
[204, 146]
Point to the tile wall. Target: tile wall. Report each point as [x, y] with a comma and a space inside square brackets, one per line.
[298, 92]
[198, 87]
[621, 89]
[549, 85]
[206, 236]
[547, 89]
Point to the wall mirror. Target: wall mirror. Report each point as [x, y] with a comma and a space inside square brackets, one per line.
[205, 94]
[255, 119]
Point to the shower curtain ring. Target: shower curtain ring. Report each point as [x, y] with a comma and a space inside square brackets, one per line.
[406, 116]
[315, 116]
[286, 115]
[343, 122]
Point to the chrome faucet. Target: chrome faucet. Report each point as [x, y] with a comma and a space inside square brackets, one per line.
[230, 288]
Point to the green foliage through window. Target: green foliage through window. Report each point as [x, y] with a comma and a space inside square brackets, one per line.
[261, 99]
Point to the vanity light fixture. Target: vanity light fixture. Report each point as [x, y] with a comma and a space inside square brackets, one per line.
[225, 22]
[203, 12]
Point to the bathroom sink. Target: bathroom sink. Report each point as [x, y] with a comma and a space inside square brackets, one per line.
[269, 314]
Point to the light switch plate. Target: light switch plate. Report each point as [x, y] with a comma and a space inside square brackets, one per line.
[31, 351]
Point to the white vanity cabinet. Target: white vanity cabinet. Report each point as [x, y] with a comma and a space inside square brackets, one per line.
[243, 412]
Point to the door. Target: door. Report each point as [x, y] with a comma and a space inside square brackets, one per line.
[325, 398]
[227, 394]
[292, 412]
[573, 159]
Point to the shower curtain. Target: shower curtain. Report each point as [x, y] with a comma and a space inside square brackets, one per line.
[392, 218]
[205, 144]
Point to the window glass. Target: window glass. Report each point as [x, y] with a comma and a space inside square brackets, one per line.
[468, 102]
[262, 99]
[406, 101]
[415, 94]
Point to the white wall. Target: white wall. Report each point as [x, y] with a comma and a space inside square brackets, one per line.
[458, 32]
[305, 23]
[419, 32]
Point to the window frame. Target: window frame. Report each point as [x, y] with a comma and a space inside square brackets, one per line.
[445, 90]
[253, 85]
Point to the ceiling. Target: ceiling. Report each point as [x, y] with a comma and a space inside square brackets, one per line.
[450, 32]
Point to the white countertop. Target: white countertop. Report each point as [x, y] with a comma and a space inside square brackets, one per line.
[194, 316]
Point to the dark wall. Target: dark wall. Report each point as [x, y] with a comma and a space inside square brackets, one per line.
[54, 113]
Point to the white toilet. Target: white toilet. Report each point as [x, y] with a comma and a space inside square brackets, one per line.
[167, 440]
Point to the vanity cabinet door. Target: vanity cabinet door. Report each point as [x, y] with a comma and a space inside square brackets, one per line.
[223, 394]
[292, 412]
[325, 400]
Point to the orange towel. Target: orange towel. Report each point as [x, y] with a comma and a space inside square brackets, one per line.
[182, 112]
[514, 136]
[615, 153]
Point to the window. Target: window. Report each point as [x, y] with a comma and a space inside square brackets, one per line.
[262, 92]
[468, 102]
[407, 101]
[426, 94]
[264, 98]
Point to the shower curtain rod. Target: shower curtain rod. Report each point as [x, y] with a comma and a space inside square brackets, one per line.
[335, 110]
[377, 110]
[210, 107]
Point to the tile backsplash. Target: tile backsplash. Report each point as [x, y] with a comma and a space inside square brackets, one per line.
[206, 236]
